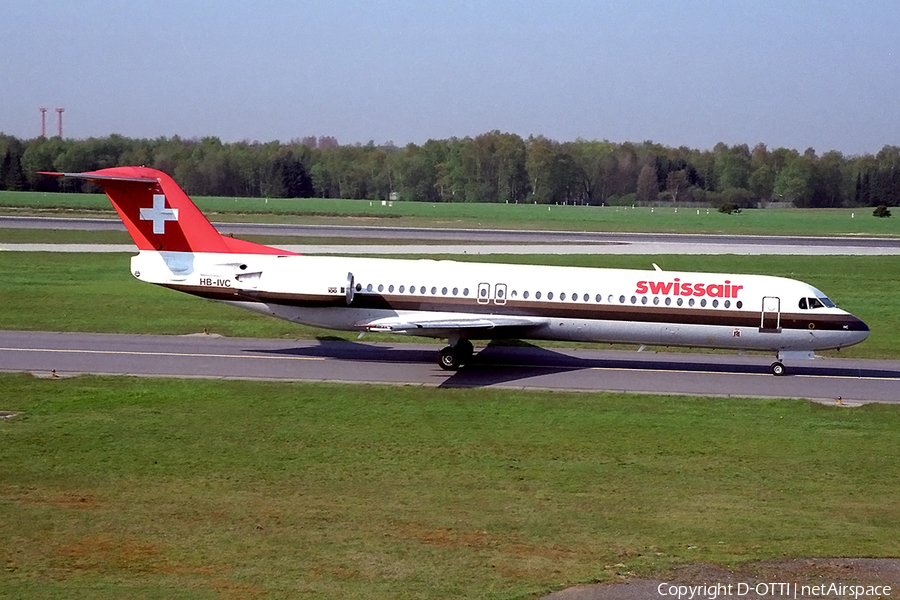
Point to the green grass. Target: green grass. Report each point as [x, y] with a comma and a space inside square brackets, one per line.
[120, 487]
[502, 216]
[96, 293]
[63, 236]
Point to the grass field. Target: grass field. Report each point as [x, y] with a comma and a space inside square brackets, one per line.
[502, 216]
[135, 488]
[96, 292]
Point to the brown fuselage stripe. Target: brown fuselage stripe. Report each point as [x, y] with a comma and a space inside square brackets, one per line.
[645, 313]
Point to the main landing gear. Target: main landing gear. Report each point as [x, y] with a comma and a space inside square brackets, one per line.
[452, 357]
[778, 369]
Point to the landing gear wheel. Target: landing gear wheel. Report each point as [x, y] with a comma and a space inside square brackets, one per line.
[449, 358]
[778, 369]
[465, 349]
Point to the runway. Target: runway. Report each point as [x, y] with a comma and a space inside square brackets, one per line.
[482, 241]
[518, 367]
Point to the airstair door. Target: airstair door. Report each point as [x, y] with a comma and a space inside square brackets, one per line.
[770, 318]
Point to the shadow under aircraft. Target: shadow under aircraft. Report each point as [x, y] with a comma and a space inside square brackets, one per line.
[503, 363]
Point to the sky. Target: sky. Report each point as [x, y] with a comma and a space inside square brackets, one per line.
[799, 74]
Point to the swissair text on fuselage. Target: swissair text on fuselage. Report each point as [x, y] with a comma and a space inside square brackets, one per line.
[677, 288]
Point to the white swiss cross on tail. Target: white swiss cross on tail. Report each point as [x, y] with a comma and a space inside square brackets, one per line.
[159, 214]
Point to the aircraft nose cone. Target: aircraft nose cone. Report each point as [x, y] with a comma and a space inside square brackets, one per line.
[859, 329]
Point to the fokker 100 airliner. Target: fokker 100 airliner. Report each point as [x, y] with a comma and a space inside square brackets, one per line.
[180, 249]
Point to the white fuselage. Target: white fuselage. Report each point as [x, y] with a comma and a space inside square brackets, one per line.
[562, 303]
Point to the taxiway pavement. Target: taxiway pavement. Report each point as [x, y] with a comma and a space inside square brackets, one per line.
[484, 241]
[854, 381]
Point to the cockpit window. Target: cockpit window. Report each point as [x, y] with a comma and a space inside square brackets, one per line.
[811, 303]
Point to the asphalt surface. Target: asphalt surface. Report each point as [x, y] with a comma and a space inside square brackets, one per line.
[481, 241]
[519, 367]
[493, 236]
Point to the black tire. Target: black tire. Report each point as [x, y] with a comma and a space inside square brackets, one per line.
[778, 369]
[464, 349]
[448, 359]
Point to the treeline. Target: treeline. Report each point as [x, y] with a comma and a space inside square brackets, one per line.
[492, 167]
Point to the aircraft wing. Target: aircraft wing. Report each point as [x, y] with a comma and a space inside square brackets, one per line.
[428, 326]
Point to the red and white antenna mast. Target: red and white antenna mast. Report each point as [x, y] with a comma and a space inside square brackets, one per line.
[59, 131]
[43, 121]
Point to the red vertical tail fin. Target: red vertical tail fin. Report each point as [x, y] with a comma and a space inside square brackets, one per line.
[159, 215]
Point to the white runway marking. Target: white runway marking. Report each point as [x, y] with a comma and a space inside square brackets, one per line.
[180, 354]
[766, 375]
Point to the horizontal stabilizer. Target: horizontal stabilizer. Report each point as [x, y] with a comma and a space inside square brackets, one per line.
[96, 177]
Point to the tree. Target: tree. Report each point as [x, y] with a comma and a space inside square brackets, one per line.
[732, 166]
[545, 175]
[762, 182]
[828, 181]
[11, 175]
[512, 177]
[295, 180]
[40, 154]
[675, 182]
[493, 167]
[647, 185]
[596, 167]
[794, 183]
